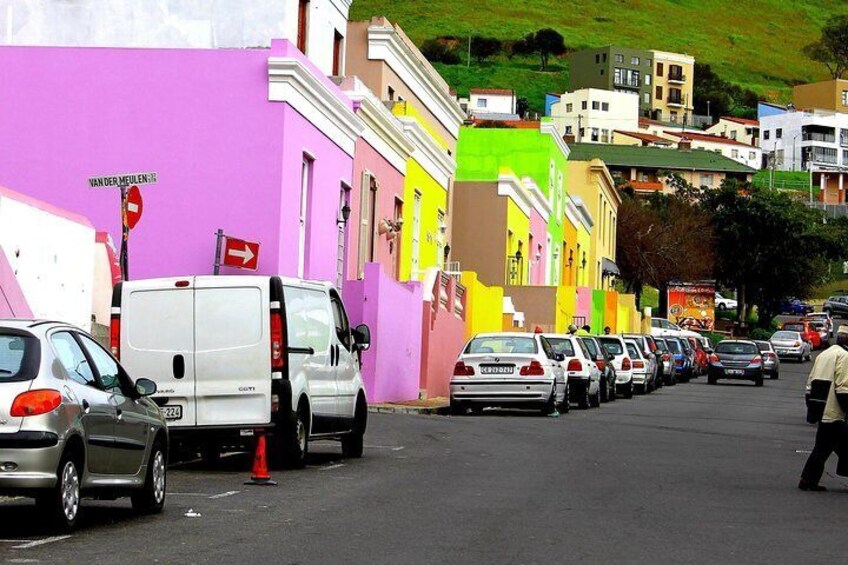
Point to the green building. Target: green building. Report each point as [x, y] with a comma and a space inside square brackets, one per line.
[614, 68]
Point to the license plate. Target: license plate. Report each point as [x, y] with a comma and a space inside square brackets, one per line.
[172, 412]
[782, 351]
[735, 372]
[496, 369]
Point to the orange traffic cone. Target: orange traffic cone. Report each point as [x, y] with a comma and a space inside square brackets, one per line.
[260, 475]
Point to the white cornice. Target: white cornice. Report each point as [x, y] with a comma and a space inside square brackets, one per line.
[384, 44]
[551, 129]
[540, 203]
[582, 212]
[674, 57]
[510, 186]
[291, 82]
[608, 183]
[428, 153]
[571, 213]
[343, 6]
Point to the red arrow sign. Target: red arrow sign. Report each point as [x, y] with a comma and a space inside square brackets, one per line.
[241, 254]
[134, 206]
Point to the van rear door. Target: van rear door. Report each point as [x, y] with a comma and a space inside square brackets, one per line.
[233, 350]
[157, 342]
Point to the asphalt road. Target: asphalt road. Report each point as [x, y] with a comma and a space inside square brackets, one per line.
[691, 474]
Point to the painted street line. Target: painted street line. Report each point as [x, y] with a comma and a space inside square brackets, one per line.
[332, 467]
[392, 447]
[14, 540]
[187, 494]
[224, 494]
[804, 451]
[39, 542]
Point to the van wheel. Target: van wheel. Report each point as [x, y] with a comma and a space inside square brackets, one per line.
[61, 504]
[352, 443]
[293, 443]
[151, 498]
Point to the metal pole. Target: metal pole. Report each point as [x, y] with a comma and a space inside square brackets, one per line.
[125, 236]
[219, 235]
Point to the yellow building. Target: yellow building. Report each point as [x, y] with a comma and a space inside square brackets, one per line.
[429, 176]
[826, 95]
[581, 225]
[674, 76]
[591, 182]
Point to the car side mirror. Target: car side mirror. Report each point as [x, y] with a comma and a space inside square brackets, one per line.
[145, 387]
[559, 357]
[362, 337]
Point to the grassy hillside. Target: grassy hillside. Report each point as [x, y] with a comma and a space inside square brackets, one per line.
[754, 43]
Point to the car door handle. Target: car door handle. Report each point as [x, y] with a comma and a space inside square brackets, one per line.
[120, 414]
[179, 366]
[86, 407]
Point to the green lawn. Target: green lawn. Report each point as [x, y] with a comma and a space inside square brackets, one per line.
[754, 43]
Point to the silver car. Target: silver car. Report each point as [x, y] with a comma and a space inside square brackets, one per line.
[789, 344]
[771, 362]
[516, 370]
[73, 424]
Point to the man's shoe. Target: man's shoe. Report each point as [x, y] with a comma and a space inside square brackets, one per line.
[810, 487]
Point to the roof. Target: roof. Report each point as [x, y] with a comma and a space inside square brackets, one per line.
[743, 121]
[496, 91]
[648, 137]
[657, 158]
[709, 138]
[45, 206]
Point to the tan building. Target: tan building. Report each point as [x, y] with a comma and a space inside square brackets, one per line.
[674, 75]
[826, 95]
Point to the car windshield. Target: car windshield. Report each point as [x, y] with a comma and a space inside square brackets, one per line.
[563, 346]
[785, 336]
[502, 344]
[613, 346]
[794, 327]
[736, 348]
[633, 350]
[18, 357]
[673, 345]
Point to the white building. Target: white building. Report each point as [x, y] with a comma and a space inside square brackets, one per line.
[484, 103]
[739, 129]
[748, 155]
[799, 139]
[317, 27]
[592, 115]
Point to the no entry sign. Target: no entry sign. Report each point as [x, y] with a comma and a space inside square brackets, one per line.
[240, 254]
[134, 206]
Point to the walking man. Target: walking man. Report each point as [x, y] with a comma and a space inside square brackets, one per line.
[831, 365]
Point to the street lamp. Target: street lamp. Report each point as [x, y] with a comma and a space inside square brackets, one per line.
[345, 214]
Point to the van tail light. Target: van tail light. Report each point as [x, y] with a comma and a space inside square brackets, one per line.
[463, 370]
[115, 335]
[625, 365]
[35, 402]
[757, 360]
[575, 365]
[714, 358]
[535, 369]
[638, 364]
[277, 340]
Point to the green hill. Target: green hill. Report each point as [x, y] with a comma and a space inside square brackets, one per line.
[754, 43]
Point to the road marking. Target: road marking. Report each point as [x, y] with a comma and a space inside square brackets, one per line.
[336, 466]
[804, 451]
[14, 540]
[392, 447]
[187, 494]
[39, 542]
[224, 494]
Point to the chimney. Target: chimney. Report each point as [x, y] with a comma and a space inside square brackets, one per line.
[685, 144]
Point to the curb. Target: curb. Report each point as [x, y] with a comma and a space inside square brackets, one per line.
[404, 409]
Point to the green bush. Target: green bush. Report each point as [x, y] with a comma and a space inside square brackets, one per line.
[760, 334]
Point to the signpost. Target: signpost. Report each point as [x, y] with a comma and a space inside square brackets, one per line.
[131, 205]
[236, 253]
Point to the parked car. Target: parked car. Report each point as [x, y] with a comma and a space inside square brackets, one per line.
[642, 374]
[808, 334]
[237, 353]
[790, 344]
[820, 327]
[603, 360]
[736, 359]
[682, 366]
[795, 307]
[668, 374]
[824, 317]
[73, 423]
[722, 303]
[584, 377]
[692, 370]
[702, 358]
[514, 370]
[771, 362]
[622, 364]
[836, 306]
[648, 348]
[661, 327]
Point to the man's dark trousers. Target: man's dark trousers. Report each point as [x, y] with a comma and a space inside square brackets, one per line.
[828, 438]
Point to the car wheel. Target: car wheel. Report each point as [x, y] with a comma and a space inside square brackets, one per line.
[550, 406]
[457, 408]
[584, 402]
[712, 380]
[477, 409]
[628, 392]
[722, 307]
[775, 375]
[352, 443]
[596, 398]
[612, 394]
[61, 504]
[566, 405]
[758, 381]
[151, 498]
[603, 389]
[295, 440]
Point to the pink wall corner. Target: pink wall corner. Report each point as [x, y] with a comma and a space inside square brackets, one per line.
[539, 229]
[584, 302]
[12, 301]
[443, 338]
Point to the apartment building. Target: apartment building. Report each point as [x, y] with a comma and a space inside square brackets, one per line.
[591, 115]
[804, 140]
[738, 129]
[492, 103]
[825, 95]
[672, 99]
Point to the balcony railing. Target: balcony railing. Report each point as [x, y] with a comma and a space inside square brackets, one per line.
[815, 136]
[677, 77]
[627, 83]
[515, 270]
[678, 100]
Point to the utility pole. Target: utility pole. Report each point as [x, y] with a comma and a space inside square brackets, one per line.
[469, 52]
[579, 127]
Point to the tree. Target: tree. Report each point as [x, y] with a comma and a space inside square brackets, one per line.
[522, 106]
[484, 47]
[832, 47]
[723, 97]
[545, 42]
[438, 51]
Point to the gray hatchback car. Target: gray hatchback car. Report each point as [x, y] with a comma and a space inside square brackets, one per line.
[73, 424]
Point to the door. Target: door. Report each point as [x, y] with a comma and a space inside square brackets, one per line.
[415, 252]
[157, 342]
[347, 364]
[341, 243]
[98, 414]
[131, 423]
[394, 244]
[303, 215]
[367, 221]
[232, 350]
[310, 327]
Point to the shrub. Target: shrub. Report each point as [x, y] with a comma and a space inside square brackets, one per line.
[760, 334]
[437, 51]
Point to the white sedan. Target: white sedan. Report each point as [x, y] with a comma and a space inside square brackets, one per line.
[515, 370]
[722, 303]
[584, 378]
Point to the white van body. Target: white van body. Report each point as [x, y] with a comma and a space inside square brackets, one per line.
[209, 344]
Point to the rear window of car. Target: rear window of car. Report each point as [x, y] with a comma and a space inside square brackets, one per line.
[563, 346]
[591, 346]
[613, 346]
[673, 345]
[633, 351]
[785, 336]
[794, 327]
[505, 344]
[736, 348]
[661, 345]
[19, 357]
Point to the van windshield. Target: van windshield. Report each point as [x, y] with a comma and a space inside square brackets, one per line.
[18, 357]
[502, 344]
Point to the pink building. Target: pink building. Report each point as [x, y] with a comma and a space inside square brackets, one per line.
[257, 142]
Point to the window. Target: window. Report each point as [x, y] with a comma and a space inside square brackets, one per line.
[602, 71]
[734, 154]
[646, 98]
[605, 106]
[584, 105]
[594, 134]
[766, 134]
[562, 345]
[658, 92]
[596, 105]
[648, 62]
[482, 103]
[647, 79]
[307, 319]
[367, 222]
[340, 321]
[778, 133]
[707, 180]
[619, 58]
[635, 61]
[305, 202]
[673, 116]
[660, 69]
[107, 367]
[597, 58]
[605, 57]
[338, 45]
[72, 358]
[390, 92]
[569, 108]
[752, 155]
[18, 357]
[604, 136]
[627, 77]
[302, 25]
[845, 97]
[733, 134]
[568, 130]
[505, 344]
[845, 156]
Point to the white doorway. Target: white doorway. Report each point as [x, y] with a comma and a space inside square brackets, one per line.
[415, 252]
[305, 184]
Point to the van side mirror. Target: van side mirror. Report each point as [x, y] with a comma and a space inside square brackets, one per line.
[145, 387]
[362, 337]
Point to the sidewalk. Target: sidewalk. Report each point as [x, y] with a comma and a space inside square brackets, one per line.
[437, 406]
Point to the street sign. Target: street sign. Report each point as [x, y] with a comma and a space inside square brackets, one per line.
[240, 254]
[134, 206]
[119, 180]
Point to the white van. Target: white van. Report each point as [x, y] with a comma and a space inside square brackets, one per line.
[233, 354]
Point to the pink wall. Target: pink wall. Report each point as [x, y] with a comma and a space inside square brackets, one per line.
[226, 157]
[442, 340]
[390, 186]
[12, 301]
[390, 366]
[584, 302]
[539, 229]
